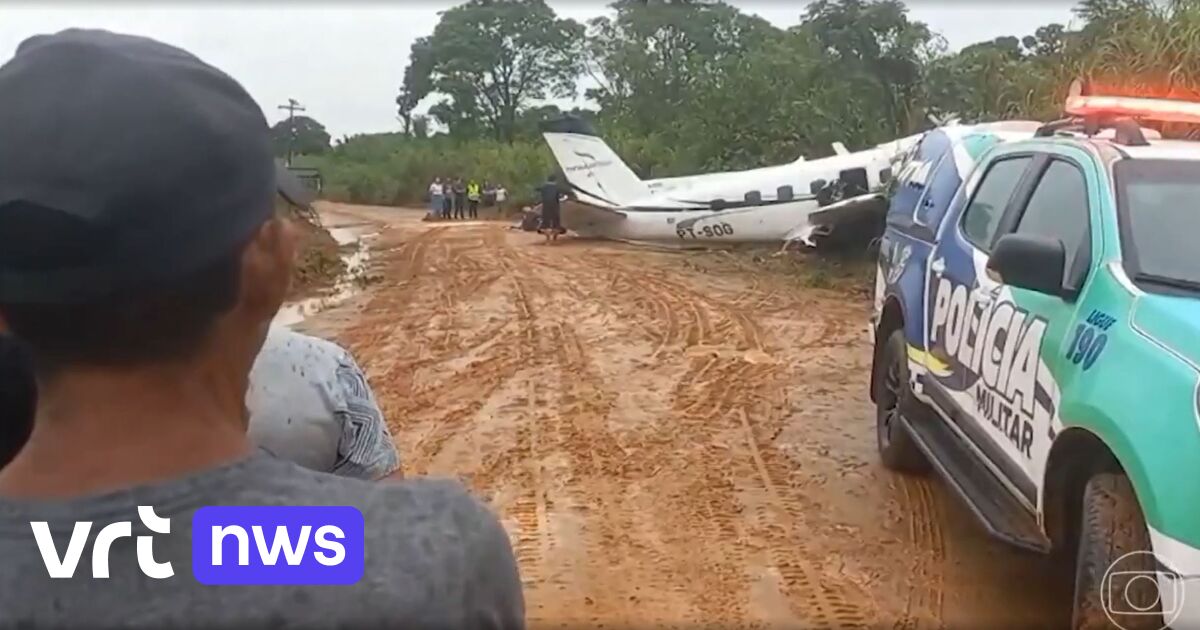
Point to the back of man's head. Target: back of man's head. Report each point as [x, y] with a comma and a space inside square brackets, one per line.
[137, 187]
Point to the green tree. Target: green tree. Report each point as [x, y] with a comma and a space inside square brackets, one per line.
[492, 58]
[766, 108]
[417, 84]
[1143, 48]
[648, 57]
[302, 134]
[876, 46]
[419, 128]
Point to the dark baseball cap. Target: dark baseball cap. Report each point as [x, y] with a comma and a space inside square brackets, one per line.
[125, 163]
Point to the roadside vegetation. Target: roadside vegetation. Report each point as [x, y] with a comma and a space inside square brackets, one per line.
[684, 86]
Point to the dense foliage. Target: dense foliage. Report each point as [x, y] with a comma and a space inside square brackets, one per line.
[683, 86]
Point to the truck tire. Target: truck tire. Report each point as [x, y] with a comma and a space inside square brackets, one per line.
[1112, 526]
[897, 449]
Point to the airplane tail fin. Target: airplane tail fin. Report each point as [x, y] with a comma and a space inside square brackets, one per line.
[593, 170]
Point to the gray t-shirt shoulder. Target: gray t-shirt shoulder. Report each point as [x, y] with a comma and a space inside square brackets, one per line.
[310, 403]
[435, 558]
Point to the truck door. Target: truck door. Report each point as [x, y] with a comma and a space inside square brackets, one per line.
[1020, 408]
[961, 300]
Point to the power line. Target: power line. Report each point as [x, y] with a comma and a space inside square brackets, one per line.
[292, 107]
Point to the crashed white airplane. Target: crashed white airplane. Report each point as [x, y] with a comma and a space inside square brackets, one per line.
[759, 205]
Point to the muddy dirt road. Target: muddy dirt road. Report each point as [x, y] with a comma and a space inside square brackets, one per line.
[669, 438]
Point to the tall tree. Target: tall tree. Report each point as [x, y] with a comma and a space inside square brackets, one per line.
[419, 128]
[417, 84]
[779, 101]
[648, 57]
[496, 57]
[876, 44]
[305, 136]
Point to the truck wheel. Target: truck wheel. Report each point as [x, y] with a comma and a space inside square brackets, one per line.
[1111, 527]
[896, 446]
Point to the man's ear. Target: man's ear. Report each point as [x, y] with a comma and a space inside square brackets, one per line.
[267, 265]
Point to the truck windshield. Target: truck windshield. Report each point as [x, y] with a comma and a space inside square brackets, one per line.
[1159, 203]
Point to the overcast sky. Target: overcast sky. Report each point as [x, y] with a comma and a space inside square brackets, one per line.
[344, 61]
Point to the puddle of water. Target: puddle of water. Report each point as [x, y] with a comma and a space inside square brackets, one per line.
[343, 236]
[293, 313]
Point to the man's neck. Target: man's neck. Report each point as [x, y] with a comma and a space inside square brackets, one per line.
[104, 429]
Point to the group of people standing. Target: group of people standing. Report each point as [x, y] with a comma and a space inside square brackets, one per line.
[458, 199]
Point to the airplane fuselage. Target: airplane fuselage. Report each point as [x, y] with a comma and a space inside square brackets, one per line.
[756, 205]
[745, 224]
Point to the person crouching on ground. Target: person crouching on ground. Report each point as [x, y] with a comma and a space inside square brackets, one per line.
[143, 292]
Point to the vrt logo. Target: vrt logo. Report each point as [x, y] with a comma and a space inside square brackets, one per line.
[64, 566]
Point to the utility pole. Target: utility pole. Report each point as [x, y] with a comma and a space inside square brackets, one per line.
[292, 107]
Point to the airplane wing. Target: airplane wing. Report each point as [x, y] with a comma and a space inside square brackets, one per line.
[855, 219]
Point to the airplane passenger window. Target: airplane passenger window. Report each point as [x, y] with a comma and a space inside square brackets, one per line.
[855, 180]
[754, 197]
[784, 193]
[816, 185]
[885, 176]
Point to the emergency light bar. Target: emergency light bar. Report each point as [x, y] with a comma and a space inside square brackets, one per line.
[1164, 110]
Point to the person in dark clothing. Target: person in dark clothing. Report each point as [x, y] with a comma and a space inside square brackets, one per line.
[447, 199]
[18, 397]
[460, 199]
[551, 195]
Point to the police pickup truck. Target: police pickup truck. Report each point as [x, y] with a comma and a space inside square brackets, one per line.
[1037, 343]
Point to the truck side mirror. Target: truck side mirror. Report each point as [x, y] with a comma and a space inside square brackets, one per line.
[1029, 262]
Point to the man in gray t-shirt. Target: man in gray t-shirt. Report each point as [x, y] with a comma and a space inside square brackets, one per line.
[310, 403]
[141, 264]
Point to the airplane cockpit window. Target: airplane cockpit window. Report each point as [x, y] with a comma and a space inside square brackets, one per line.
[784, 193]
[753, 197]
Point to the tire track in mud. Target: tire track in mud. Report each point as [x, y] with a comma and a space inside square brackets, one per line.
[714, 389]
[923, 607]
[603, 469]
[615, 521]
[826, 603]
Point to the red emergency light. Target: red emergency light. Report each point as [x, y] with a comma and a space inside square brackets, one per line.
[1164, 110]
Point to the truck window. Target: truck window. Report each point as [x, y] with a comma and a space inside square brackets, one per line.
[1058, 208]
[983, 214]
[1156, 200]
